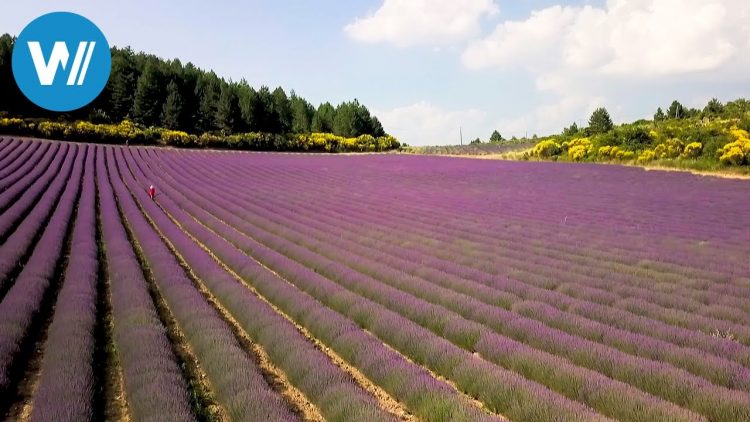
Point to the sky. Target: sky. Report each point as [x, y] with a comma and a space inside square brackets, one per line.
[429, 67]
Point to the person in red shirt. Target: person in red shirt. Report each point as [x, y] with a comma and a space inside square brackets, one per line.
[152, 192]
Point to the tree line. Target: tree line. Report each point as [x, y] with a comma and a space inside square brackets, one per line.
[165, 93]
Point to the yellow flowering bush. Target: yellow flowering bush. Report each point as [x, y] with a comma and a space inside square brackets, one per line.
[129, 132]
[736, 153]
[692, 150]
[578, 149]
[646, 156]
[175, 137]
[615, 152]
[12, 125]
[545, 149]
[672, 148]
[624, 155]
[578, 152]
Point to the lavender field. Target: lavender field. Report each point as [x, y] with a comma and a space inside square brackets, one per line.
[275, 287]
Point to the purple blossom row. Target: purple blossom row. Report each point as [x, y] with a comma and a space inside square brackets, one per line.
[20, 308]
[11, 150]
[554, 268]
[154, 386]
[370, 260]
[17, 201]
[423, 394]
[340, 217]
[463, 221]
[318, 378]
[399, 252]
[12, 172]
[716, 369]
[639, 372]
[414, 341]
[16, 246]
[235, 379]
[65, 389]
[517, 244]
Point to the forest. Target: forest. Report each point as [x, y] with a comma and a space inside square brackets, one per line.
[154, 92]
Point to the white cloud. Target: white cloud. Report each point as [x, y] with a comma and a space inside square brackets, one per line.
[631, 38]
[626, 38]
[423, 123]
[598, 56]
[529, 43]
[422, 22]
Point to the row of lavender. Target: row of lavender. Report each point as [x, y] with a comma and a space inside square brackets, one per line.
[727, 299]
[712, 405]
[718, 302]
[154, 385]
[404, 301]
[722, 372]
[319, 381]
[501, 391]
[145, 360]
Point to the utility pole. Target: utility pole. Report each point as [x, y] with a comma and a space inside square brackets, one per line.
[461, 134]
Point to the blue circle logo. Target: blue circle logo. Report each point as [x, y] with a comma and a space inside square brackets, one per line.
[61, 61]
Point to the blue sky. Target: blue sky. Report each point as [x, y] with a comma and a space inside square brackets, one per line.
[427, 67]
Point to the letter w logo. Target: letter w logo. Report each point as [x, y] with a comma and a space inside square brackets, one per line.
[47, 71]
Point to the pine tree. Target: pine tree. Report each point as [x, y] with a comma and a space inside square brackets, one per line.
[377, 127]
[676, 111]
[323, 119]
[713, 108]
[302, 114]
[171, 116]
[228, 109]
[496, 137]
[207, 91]
[147, 104]
[282, 110]
[343, 122]
[659, 115]
[600, 122]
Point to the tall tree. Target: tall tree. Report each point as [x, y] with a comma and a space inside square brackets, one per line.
[302, 114]
[228, 110]
[659, 115]
[122, 84]
[282, 110]
[245, 99]
[323, 119]
[344, 123]
[261, 110]
[171, 116]
[377, 127]
[600, 121]
[676, 111]
[207, 90]
[496, 137]
[713, 108]
[571, 130]
[147, 104]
